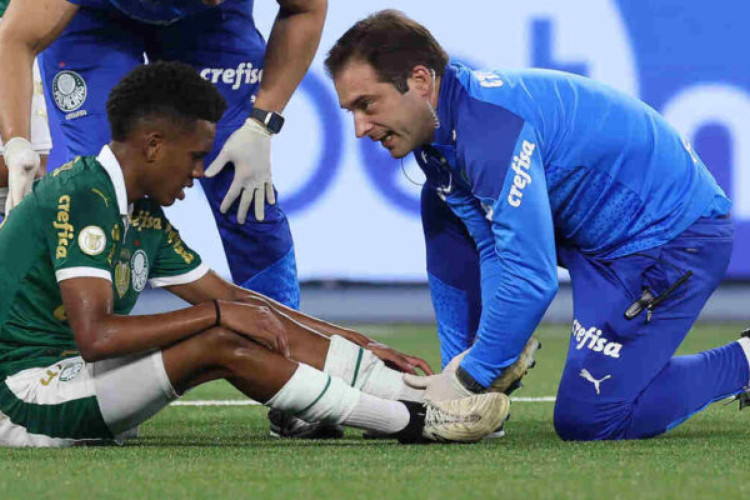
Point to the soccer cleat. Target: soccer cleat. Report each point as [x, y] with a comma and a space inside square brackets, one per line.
[467, 419]
[464, 420]
[499, 432]
[743, 397]
[510, 378]
[288, 426]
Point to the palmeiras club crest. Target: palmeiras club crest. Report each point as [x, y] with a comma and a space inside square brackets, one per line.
[69, 90]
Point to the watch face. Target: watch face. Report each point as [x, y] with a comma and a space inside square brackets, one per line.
[275, 122]
[272, 120]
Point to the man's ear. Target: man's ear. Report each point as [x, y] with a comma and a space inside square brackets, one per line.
[153, 145]
[422, 80]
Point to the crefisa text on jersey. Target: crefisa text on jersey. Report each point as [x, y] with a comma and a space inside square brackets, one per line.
[63, 226]
[521, 165]
[243, 73]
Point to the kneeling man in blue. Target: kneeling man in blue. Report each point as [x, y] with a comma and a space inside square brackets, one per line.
[533, 168]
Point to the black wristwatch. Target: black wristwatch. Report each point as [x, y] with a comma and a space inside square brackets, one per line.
[272, 120]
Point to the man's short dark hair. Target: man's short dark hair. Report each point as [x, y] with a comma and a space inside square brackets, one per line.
[392, 44]
[172, 90]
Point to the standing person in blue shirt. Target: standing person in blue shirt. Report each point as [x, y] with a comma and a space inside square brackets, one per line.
[527, 169]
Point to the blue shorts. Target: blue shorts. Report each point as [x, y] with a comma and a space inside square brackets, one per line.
[621, 380]
[100, 46]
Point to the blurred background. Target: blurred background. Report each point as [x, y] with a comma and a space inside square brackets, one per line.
[355, 212]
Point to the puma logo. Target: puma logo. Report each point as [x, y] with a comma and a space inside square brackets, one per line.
[587, 375]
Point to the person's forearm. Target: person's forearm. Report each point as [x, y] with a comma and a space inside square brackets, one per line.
[294, 38]
[16, 86]
[26, 30]
[313, 324]
[115, 335]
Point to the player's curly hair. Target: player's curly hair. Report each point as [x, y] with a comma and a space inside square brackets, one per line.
[162, 89]
[392, 44]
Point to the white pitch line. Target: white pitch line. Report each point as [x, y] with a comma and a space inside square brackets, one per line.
[249, 402]
[543, 399]
[217, 402]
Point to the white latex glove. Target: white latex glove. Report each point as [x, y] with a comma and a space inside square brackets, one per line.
[447, 386]
[22, 162]
[249, 148]
[442, 386]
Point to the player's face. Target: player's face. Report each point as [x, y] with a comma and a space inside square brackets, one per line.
[400, 122]
[181, 162]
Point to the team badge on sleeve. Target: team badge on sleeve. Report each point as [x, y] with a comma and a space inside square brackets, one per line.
[92, 240]
[139, 270]
[71, 371]
[69, 90]
[122, 278]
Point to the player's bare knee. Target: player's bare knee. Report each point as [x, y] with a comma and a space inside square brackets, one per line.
[222, 341]
[230, 347]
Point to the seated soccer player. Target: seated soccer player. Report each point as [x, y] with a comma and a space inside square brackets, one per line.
[80, 248]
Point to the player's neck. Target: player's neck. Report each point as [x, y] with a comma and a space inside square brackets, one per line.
[130, 163]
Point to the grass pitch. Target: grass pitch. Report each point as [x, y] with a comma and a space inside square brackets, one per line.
[225, 452]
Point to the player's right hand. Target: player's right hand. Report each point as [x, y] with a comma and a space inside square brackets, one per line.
[257, 323]
[397, 360]
[22, 162]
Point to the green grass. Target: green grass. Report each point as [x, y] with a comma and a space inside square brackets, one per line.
[225, 452]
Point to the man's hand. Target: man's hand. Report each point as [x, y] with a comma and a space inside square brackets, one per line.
[397, 360]
[447, 386]
[257, 323]
[249, 148]
[22, 162]
[440, 387]
[443, 385]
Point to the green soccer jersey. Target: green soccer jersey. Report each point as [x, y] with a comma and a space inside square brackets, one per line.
[3, 6]
[77, 223]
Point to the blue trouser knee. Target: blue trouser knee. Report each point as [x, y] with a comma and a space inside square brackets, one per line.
[621, 380]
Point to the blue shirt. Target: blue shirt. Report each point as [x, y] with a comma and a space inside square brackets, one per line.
[151, 11]
[533, 158]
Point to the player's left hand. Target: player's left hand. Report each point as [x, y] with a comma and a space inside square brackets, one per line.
[397, 360]
[249, 148]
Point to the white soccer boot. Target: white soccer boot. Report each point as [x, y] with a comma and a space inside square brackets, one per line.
[464, 420]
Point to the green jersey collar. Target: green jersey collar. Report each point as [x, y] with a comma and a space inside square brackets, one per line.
[108, 160]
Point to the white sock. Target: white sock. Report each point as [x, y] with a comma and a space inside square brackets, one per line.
[315, 396]
[378, 414]
[361, 369]
[745, 344]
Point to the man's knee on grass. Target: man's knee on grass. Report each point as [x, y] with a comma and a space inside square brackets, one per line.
[587, 421]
